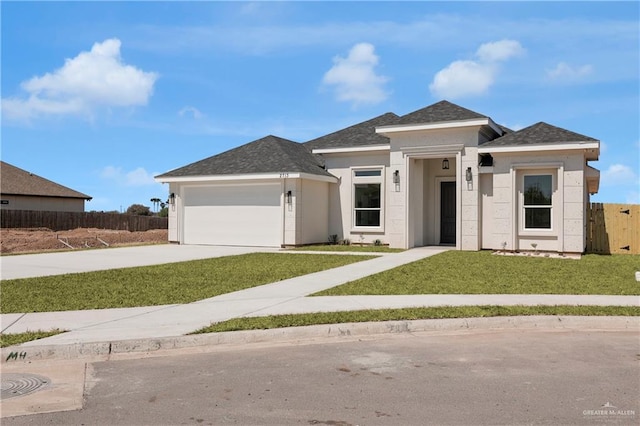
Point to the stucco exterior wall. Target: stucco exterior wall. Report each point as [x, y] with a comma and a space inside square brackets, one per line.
[174, 208]
[469, 201]
[341, 194]
[502, 217]
[292, 217]
[52, 204]
[465, 135]
[306, 219]
[313, 208]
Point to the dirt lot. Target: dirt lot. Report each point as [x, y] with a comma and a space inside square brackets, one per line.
[43, 239]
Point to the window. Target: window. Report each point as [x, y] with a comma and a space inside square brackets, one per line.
[367, 198]
[538, 191]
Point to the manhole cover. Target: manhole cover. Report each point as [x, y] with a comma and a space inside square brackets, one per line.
[18, 384]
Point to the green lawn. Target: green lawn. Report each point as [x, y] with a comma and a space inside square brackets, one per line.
[459, 272]
[298, 320]
[182, 282]
[17, 338]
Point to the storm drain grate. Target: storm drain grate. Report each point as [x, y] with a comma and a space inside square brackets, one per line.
[19, 384]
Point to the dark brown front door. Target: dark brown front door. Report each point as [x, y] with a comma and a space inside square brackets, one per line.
[447, 212]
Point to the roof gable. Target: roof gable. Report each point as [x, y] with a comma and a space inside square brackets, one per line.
[16, 181]
[361, 134]
[439, 112]
[539, 133]
[270, 154]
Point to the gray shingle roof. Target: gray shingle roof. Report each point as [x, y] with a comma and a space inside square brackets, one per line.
[539, 133]
[16, 181]
[361, 134]
[439, 112]
[270, 154]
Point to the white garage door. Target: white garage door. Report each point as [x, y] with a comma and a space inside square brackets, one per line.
[239, 215]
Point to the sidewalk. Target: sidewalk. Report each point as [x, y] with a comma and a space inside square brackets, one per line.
[283, 297]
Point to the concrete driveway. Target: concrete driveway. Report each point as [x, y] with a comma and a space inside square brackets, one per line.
[38, 265]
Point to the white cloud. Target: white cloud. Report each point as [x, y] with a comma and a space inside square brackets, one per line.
[618, 174]
[499, 50]
[564, 71]
[354, 77]
[462, 78]
[474, 77]
[136, 177]
[193, 111]
[91, 79]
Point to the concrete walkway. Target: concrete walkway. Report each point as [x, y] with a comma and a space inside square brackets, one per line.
[283, 297]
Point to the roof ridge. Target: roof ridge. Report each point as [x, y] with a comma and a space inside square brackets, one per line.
[540, 133]
[386, 114]
[441, 111]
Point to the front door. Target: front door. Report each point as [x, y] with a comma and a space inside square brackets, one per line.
[447, 212]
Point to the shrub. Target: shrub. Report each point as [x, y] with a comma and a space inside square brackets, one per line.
[139, 210]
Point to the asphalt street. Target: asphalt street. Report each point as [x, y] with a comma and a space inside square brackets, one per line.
[484, 377]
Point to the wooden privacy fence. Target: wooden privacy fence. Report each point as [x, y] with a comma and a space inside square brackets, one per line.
[62, 221]
[613, 228]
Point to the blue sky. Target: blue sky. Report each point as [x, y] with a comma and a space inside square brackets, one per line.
[102, 96]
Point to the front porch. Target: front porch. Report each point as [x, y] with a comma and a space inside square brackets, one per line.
[440, 197]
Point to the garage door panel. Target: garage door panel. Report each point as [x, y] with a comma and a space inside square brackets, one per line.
[233, 215]
[261, 195]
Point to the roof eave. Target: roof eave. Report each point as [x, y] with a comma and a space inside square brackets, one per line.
[474, 122]
[79, 197]
[247, 176]
[591, 148]
[592, 176]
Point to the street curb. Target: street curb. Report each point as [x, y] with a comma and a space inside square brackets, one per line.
[106, 350]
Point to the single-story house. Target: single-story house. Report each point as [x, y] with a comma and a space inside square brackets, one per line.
[442, 175]
[22, 190]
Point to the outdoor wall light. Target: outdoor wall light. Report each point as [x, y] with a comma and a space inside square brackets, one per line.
[396, 177]
[445, 164]
[469, 176]
[289, 197]
[172, 198]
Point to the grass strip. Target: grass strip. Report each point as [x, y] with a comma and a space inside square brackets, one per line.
[173, 283]
[461, 272]
[11, 339]
[405, 314]
[352, 248]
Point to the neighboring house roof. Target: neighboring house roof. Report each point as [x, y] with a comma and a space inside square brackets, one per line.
[270, 154]
[15, 181]
[539, 133]
[439, 112]
[361, 134]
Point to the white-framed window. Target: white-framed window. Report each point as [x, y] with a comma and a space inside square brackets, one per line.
[368, 198]
[537, 201]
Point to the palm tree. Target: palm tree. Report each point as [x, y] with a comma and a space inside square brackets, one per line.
[156, 202]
